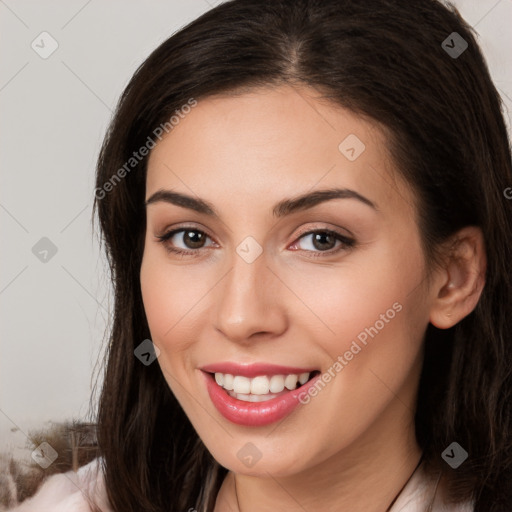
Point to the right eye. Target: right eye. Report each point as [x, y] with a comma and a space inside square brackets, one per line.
[192, 239]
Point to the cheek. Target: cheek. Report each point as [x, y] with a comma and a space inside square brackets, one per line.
[369, 320]
[165, 298]
[174, 303]
[158, 302]
[364, 293]
[165, 305]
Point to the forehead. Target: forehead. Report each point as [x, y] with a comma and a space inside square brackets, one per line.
[275, 142]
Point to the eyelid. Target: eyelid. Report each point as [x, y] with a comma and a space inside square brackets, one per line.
[307, 230]
[324, 227]
[168, 232]
[346, 240]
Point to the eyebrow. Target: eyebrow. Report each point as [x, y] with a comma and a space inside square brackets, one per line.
[281, 209]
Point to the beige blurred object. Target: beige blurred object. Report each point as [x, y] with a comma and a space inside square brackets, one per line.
[21, 476]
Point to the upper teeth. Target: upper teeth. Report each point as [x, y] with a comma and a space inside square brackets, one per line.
[260, 385]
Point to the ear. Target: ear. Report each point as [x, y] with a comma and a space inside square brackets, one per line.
[461, 280]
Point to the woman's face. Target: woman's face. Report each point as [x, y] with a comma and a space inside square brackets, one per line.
[330, 286]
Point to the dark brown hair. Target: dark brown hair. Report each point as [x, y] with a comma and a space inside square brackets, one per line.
[384, 60]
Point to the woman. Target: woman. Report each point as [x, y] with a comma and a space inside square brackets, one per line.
[303, 205]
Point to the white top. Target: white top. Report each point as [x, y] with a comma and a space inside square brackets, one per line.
[421, 494]
[65, 492]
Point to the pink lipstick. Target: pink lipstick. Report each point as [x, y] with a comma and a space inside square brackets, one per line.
[256, 394]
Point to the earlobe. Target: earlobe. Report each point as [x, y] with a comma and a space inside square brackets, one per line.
[462, 280]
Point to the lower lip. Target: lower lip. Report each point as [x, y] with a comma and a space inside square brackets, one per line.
[254, 414]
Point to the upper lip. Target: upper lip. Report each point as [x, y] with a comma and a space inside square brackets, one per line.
[254, 369]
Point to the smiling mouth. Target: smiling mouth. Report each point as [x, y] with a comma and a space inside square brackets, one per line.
[262, 387]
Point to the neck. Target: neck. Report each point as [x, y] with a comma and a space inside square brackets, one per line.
[367, 477]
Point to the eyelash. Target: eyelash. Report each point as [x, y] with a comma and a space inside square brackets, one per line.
[346, 243]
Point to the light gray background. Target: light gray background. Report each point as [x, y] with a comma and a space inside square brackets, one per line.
[54, 113]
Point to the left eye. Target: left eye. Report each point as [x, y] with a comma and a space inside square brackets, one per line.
[323, 240]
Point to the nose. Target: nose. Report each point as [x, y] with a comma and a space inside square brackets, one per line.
[250, 302]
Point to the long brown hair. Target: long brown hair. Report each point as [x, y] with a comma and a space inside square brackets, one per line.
[382, 59]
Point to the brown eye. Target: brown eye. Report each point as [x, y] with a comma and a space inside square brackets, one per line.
[323, 241]
[184, 240]
[193, 239]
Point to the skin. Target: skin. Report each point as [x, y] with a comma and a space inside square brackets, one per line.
[243, 154]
